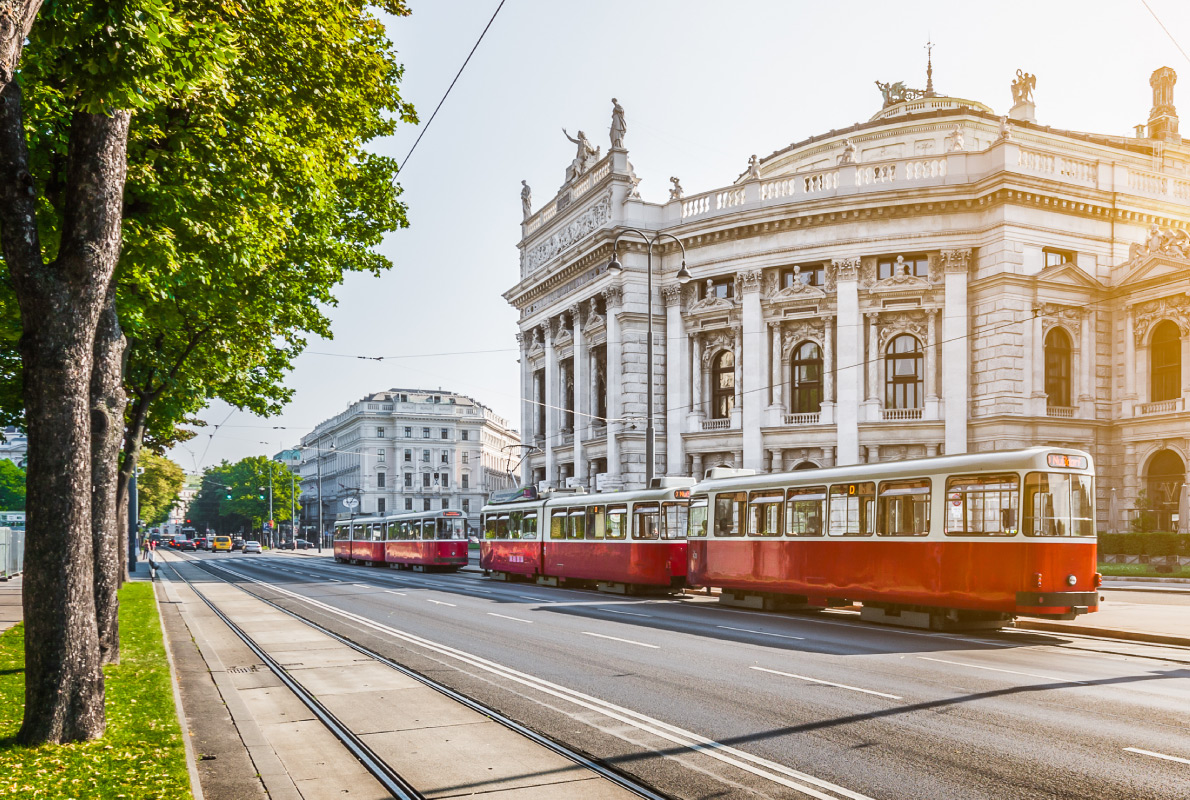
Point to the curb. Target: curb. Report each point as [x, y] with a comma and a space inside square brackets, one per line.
[1144, 579]
[1105, 633]
[187, 745]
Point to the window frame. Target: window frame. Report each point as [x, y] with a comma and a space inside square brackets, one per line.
[865, 510]
[761, 526]
[885, 497]
[897, 387]
[618, 512]
[809, 494]
[739, 513]
[805, 396]
[700, 503]
[1014, 500]
[1165, 378]
[652, 509]
[912, 262]
[1057, 353]
[722, 397]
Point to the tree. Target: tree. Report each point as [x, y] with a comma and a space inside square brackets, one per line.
[236, 496]
[94, 63]
[158, 487]
[12, 486]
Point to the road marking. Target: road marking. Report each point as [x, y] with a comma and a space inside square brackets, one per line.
[530, 597]
[440, 603]
[515, 619]
[363, 586]
[828, 683]
[390, 591]
[997, 669]
[762, 633]
[483, 591]
[761, 767]
[1157, 755]
[625, 641]
[334, 580]
[625, 613]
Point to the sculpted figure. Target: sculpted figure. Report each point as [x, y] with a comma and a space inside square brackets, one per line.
[848, 152]
[1005, 128]
[1022, 87]
[619, 127]
[526, 200]
[583, 157]
[676, 192]
[956, 140]
[754, 168]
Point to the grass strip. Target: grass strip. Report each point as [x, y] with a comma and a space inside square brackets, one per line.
[1141, 571]
[142, 755]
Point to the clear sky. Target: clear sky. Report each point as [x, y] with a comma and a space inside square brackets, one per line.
[704, 85]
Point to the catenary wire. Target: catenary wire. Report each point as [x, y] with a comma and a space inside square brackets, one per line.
[1167, 32]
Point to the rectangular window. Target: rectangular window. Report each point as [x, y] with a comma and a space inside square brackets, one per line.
[408, 456]
[464, 434]
[445, 432]
[466, 480]
[380, 455]
[445, 480]
[529, 525]
[425, 504]
[466, 505]
[425, 433]
[595, 523]
[698, 518]
[1058, 504]
[982, 505]
[915, 266]
[425, 480]
[408, 432]
[765, 512]
[445, 503]
[380, 478]
[673, 520]
[723, 288]
[809, 275]
[558, 524]
[617, 527]
[408, 480]
[646, 522]
[1056, 258]
[903, 508]
[380, 505]
[380, 433]
[852, 509]
[504, 527]
[466, 460]
[408, 503]
[445, 456]
[425, 456]
[805, 510]
[576, 523]
[729, 513]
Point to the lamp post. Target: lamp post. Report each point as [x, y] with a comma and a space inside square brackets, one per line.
[615, 268]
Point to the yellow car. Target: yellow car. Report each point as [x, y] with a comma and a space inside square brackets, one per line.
[221, 543]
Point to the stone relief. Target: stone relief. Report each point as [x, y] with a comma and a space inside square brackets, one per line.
[714, 342]
[848, 156]
[594, 217]
[842, 269]
[711, 301]
[584, 158]
[794, 333]
[955, 142]
[748, 281]
[894, 93]
[1168, 242]
[896, 323]
[1066, 317]
[1147, 315]
[594, 318]
[613, 297]
[671, 295]
[799, 290]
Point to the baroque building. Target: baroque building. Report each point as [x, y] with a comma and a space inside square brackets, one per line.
[938, 279]
[405, 450]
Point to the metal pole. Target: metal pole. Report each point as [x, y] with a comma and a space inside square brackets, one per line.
[133, 521]
[292, 506]
[650, 433]
[272, 538]
[318, 460]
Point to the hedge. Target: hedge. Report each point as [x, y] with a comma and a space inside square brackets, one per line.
[1145, 544]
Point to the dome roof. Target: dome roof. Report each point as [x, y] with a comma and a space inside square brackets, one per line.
[925, 105]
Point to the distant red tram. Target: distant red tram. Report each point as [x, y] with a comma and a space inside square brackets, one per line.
[412, 540]
[616, 541]
[952, 541]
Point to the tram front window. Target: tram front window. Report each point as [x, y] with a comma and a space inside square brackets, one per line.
[451, 529]
[698, 517]
[1059, 504]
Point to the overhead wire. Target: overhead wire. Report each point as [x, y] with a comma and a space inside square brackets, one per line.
[1167, 31]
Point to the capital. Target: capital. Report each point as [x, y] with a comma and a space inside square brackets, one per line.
[672, 294]
[613, 296]
[846, 269]
[750, 280]
[956, 260]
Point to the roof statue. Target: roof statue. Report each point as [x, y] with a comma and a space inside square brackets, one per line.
[955, 141]
[894, 93]
[1005, 128]
[676, 192]
[754, 168]
[848, 156]
[1022, 87]
[585, 157]
[619, 127]
[526, 200]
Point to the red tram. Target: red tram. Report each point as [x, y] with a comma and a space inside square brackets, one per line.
[412, 540]
[953, 541]
[617, 541]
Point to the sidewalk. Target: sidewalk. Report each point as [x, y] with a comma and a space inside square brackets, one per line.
[1147, 622]
[10, 603]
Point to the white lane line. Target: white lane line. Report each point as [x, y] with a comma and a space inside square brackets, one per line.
[761, 767]
[828, 683]
[530, 597]
[334, 580]
[390, 591]
[625, 641]
[363, 586]
[515, 619]
[625, 613]
[481, 591]
[440, 603]
[997, 669]
[1157, 755]
[761, 633]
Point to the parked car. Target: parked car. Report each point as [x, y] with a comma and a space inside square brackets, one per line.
[297, 544]
[237, 543]
[184, 544]
[221, 543]
[252, 547]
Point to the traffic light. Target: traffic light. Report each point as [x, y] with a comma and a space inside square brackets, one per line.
[260, 497]
[229, 495]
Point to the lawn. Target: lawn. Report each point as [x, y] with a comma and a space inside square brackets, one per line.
[141, 756]
[1141, 571]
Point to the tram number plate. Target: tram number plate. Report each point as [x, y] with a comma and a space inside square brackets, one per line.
[516, 559]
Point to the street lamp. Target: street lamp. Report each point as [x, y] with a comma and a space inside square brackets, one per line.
[615, 268]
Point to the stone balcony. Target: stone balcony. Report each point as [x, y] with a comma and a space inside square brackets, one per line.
[1162, 407]
[1061, 412]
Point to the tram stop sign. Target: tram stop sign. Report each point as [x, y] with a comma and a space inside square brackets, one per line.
[350, 502]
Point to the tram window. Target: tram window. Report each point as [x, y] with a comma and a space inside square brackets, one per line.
[489, 526]
[576, 523]
[427, 529]
[698, 518]
[903, 508]
[645, 521]
[617, 527]
[529, 525]
[673, 515]
[729, 513]
[852, 510]
[1058, 504]
[451, 529]
[514, 524]
[764, 513]
[805, 509]
[595, 523]
[340, 534]
[378, 532]
[558, 524]
[982, 505]
[502, 531]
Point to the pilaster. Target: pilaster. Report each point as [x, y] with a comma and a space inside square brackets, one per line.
[752, 347]
[849, 358]
[582, 421]
[614, 298]
[552, 423]
[677, 399]
[956, 349]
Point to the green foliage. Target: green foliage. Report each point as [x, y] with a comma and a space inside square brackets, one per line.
[1147, 517]
[1152, 543]
[247, 483]
[142, 755]
[157, 489]
[1141, 571]
[12, 486]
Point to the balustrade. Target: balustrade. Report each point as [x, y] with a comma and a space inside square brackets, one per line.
[716, 424]
[1147, 182]
[1163, 407]
[900, 414]
[803, 419]
[1035, 161]
[821, 181]
[729, 198]
[696, 205]
[883, 173]
[776, 189]
[1060, 412]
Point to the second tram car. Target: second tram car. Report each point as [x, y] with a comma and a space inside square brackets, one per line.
[412, 540]
[951, 541]
[617, 541]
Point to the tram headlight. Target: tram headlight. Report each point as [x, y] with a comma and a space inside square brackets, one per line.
[1071, 580]
[1037, 579]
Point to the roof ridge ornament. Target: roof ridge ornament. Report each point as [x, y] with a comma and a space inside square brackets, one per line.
[930, 68]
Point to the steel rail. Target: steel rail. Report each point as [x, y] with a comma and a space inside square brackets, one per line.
[389, 778]
[604, 771]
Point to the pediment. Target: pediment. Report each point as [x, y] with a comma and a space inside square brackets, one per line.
[901, 283]
[1068, 274]
[712, 304]
[1155, 265]
[797, 293]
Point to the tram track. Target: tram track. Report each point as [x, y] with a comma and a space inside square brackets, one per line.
[381, 770]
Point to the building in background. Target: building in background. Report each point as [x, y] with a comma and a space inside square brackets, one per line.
[177, 518]
[14, 446]
[939, 279]
[406, 450]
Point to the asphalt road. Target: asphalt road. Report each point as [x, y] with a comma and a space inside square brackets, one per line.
[707, 702]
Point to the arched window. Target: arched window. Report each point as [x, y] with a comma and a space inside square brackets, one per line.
[902, 373]
[1057, 368]
[1165, 362]
[805, 379]
[723, 385]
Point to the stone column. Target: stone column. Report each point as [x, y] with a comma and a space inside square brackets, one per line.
[696, 465]
[677, 393]
[931, 450]
[696, 381]
[1086, 377]
[1039, 397]
[932, 378]
[581, 421]
[828, 456]
[614, 297]
[828, 371]
[737, 411]
[848, 357]
[778, 460]
[552, 421]
[956, 349]
[873, 403]
[527, 409]
[777, 369]
[753, 347]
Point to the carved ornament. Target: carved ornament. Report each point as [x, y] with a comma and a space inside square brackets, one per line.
[1167, 242]
[714, 342]
[896, 323]
[595, 320]
[956, 260]
[794, 333]
[798, 291]
[578, 228]
[845, 269]
[671, 295]
[613, 297]
[1147, 315]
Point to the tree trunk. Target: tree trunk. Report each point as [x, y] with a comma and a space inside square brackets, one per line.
[107, 420]
[16, 20]
[60, 305]
[134, 436]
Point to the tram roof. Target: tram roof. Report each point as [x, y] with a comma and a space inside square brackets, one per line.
[563, 499]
